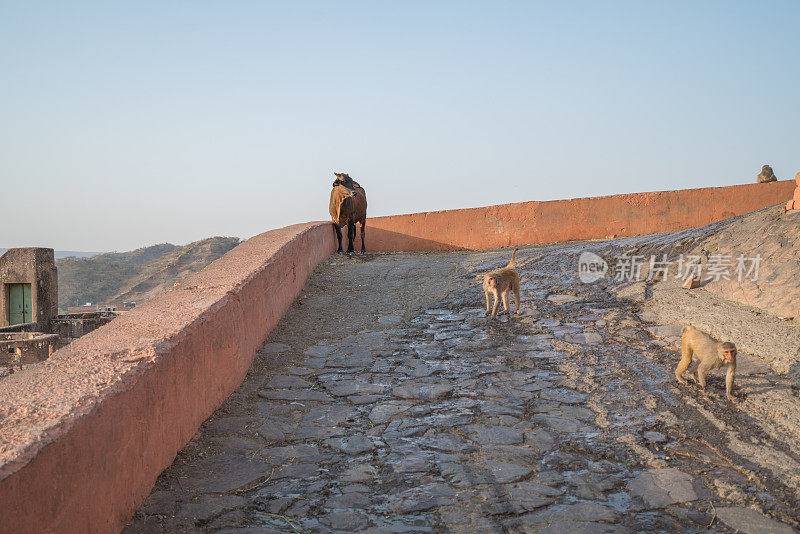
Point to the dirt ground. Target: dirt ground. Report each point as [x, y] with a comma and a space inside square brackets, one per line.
[385, 401]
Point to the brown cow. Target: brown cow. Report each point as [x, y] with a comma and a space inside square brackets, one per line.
[348, 206]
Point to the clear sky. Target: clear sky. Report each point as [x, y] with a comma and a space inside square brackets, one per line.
[124, 124]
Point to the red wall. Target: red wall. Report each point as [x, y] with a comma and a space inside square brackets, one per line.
[534, 222]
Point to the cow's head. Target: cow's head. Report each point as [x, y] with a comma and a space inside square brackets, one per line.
[345, 180]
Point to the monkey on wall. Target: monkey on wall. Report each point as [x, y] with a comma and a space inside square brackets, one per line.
[711, 355]
[766, 175]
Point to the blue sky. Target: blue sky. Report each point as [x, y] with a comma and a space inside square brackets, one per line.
[133, 123]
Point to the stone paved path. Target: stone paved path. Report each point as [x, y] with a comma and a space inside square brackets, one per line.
[386, 402]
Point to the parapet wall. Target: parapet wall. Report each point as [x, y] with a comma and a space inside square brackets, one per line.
[529, 223]
[85, 434]
[17, 348]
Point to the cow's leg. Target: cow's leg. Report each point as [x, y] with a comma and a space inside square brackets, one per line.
[338, 236]
[351, 236]
[363, 224]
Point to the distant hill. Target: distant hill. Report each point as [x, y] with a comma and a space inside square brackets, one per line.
[65, 253]
[74, 254]
[136, 275]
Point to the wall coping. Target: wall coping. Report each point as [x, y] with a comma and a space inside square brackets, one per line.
[591, 198]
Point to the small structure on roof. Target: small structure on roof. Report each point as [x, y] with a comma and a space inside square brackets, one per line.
[28, 287]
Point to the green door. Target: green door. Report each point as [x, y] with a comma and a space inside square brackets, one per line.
[19, 300]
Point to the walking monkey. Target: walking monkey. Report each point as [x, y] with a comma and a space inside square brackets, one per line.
[712, 354]
[500, 283]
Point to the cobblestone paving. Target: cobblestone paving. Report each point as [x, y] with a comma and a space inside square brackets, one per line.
[386, 402]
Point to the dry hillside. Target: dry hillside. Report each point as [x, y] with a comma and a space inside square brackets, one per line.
[137, 275]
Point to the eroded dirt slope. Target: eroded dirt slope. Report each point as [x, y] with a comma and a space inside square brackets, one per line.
[774, 235]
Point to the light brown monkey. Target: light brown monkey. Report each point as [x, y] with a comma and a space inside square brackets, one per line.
[766, 175]
[712, 354]
[500, 283]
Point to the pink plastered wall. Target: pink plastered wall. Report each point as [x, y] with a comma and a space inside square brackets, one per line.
[85, 434]
[528, 223]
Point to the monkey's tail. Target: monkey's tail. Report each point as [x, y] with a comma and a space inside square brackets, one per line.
[513, 257]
